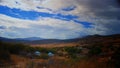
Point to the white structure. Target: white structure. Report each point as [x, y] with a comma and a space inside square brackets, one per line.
[37, 53]
[50, 54]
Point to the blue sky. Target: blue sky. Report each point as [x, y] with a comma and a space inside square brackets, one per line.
[58, 19]
[33, 15]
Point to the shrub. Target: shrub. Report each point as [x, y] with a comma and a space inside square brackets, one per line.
[116, 58]
[95, 50]
[44, 56]
[29, 49]
[72, 50]
[4, 55]
[44, 50]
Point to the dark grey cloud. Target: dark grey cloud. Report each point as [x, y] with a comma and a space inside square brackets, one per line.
[118, 2]
[109, 9]
[109, 27]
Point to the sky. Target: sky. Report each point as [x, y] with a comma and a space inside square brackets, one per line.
[58, 19]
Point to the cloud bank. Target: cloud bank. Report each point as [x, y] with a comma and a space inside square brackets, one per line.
[58, 19]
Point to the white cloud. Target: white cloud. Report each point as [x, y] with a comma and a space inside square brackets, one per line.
[53, 28]
[46, 27]
[104, 15]
[12, 22]
[83, 7]
[55, 5]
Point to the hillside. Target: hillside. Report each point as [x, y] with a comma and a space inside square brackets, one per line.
[85, 40]
[89, 52]
[35, 40]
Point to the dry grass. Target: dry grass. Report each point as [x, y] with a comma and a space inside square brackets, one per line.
[56, 62]
[54, 45]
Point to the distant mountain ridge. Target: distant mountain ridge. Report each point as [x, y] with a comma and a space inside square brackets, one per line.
[37, 40]
[30, 38]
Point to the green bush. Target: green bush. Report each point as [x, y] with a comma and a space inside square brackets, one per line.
[43, 56]
[44, 50]
[116, 58]
[4, 55]
[13, 48]
[29, 49]
[72, 50]
[95, 50]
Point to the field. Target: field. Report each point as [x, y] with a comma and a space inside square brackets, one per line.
[53, 45]
[100, 52]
